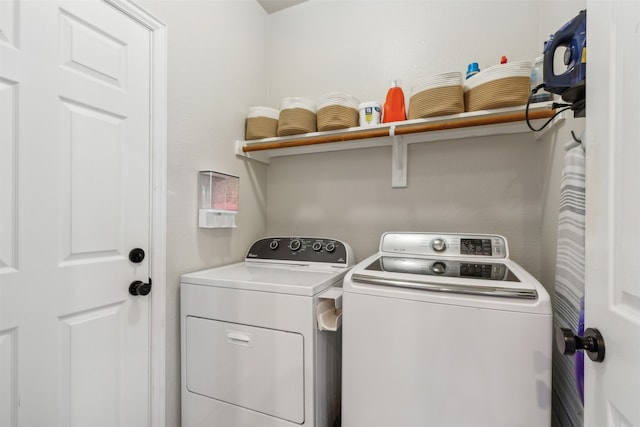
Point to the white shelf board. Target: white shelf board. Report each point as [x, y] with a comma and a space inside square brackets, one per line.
[399, 142]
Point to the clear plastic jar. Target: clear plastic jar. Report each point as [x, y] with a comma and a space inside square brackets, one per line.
[537, 78]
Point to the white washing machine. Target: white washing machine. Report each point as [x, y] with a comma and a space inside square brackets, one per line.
[445, 330]
[261, 338]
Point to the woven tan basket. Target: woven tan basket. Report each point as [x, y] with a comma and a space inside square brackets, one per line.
[334, 117]
[260, 127]
[438, 101]
[500, 93]
[294, 121]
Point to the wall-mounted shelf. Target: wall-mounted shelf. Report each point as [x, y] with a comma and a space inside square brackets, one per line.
[399, 134]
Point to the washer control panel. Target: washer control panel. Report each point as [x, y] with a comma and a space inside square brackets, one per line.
[445, 244]
[303, 249]
[444, 267]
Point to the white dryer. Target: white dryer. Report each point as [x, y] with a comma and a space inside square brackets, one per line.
[253, 354]
[445, 330]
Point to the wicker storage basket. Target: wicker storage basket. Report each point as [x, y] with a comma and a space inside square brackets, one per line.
[506, 92]
[500, 86]
[297, 115]
[438, 101]
[334, 117]
[337, 110]
[294, 121]
[262, 122]
[436, 95]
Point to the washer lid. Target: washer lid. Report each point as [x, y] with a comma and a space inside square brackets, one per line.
[294, 279]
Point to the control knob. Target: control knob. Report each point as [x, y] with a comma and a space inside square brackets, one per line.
[316, 246]
[295, 245]
[330, 247]
[273, 245]
[438, 245]
[438, 267]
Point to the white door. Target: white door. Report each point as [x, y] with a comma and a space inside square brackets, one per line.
[74, 192]
[612, 294]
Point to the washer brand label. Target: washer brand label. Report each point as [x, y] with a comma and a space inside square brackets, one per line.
[250, 255]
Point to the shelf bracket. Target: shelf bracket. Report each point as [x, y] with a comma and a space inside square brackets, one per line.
[259, 156]
[398, 160]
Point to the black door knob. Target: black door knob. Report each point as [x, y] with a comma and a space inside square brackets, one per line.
[592, 342]
[140, 288]
[136, 255]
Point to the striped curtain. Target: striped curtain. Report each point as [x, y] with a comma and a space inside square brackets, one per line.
[569, 287]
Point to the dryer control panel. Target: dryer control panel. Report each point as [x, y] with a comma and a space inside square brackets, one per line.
[445, 244]
[301, 249]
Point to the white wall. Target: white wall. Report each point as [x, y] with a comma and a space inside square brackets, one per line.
[496, 185]
[359, 46]
[227, 55]
[483, 185]
[505, 184]
[489, 185]
[216, 58]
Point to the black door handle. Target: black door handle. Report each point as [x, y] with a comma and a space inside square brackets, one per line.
[140, 288]
[592, 343]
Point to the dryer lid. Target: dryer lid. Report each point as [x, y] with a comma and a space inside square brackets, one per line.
[295, 279]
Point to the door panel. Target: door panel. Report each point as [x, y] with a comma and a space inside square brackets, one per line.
[75, 168]
[626, 292]
[612, 291]
[8, 380]
[90, 370]
[8, 170]
[91, 192]
[8, 22]
[92, 52]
